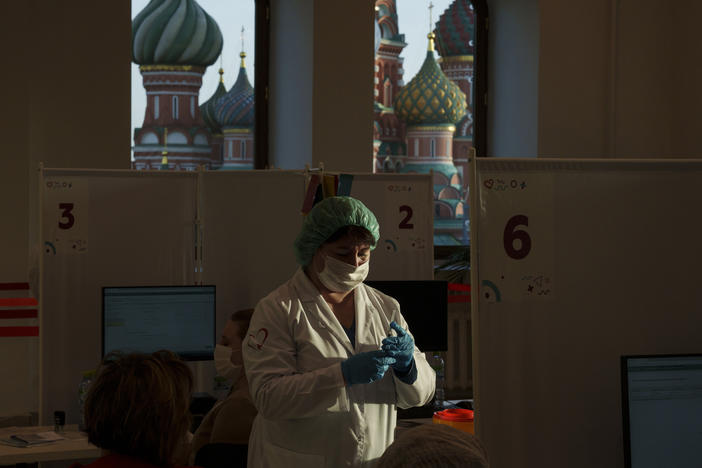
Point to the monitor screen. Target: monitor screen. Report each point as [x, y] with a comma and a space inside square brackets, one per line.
[150, 318]
[662, 410]
[424, 305]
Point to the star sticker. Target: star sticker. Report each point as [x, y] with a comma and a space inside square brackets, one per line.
[523, 185]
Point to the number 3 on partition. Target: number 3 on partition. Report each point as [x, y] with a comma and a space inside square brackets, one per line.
[66, 214]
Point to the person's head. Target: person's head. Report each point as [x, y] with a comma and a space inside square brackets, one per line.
[138, 406]
[431, 445]
[335, 241]
[228, 357]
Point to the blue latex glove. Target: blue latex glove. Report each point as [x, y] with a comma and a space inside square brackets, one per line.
[401, 347]
[366, 367]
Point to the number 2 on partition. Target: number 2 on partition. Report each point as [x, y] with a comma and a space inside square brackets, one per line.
[513, 234]
[405, 224]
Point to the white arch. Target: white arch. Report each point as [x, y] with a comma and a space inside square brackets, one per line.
[177, 138]
[200, 139]
[149, 138]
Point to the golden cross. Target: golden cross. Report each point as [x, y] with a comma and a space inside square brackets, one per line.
[431, 6]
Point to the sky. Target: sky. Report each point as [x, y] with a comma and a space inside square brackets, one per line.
[231, 15]
[413, 22]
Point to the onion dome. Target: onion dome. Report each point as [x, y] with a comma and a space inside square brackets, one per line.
[455, 30]
[430, 97]
[207, 109]
[175, 32]
[236, 107]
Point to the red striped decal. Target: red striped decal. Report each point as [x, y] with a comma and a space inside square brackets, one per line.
[18, 301]
[13, 286]
[458, 287]
[17, 313]
[19, 331]
[453, 299]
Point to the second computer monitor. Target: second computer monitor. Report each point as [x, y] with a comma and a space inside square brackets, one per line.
[424, 304]
[662, 410]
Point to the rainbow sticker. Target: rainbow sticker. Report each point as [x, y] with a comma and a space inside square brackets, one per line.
[490, 291]
[49, 248]
[390, 246]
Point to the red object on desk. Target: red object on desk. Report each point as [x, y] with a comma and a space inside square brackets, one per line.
[459, 418]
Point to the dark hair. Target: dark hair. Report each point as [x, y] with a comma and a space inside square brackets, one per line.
[359, 234]
[243, 316]
[138, 406]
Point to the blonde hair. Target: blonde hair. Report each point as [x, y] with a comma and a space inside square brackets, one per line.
[139, 405]
[430, 445]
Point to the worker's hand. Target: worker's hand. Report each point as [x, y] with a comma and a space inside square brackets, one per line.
[366, 367]
[401, 347]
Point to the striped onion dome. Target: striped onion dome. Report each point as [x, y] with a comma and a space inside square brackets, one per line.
[207, 109]
[455, 30]
[430, 97]
[175, 32]
[236, 108]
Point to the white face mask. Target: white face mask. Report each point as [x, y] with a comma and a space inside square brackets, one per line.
[340, 276]
[223, 363]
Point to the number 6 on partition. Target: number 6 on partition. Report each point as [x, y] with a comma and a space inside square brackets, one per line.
[512, 234]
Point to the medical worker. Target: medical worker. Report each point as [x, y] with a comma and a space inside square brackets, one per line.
[230, 420]
[328, 358]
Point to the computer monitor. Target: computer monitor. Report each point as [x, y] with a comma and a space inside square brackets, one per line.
[424, 305]
[150, 318]
[662, 410]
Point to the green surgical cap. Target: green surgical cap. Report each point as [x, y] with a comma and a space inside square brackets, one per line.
[326, 218]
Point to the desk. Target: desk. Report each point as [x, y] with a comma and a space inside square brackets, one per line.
[405, 424]
[75, 446]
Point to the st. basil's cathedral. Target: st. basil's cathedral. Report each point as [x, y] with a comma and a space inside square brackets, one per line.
[427, 124]
[423, 126]
[173, 42]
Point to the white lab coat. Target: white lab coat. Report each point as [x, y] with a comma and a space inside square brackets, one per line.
[307, 417]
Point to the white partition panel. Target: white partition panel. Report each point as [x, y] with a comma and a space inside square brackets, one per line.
[250, 220]
[103, 228]
[404, 207]
[576, 263]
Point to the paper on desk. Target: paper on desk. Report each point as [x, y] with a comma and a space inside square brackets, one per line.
[12, 442]
[50, 436]
[31, 439]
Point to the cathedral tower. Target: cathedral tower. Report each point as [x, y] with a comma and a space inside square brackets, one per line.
[430, 105]
[387, 129]
[234, 113]
[173, 41]
[455, 43]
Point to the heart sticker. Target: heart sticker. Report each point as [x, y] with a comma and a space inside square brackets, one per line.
[256, 341]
